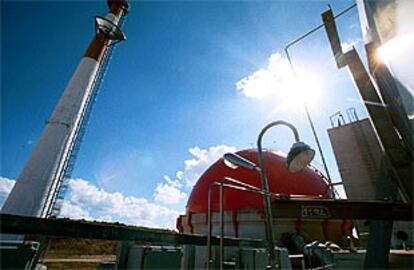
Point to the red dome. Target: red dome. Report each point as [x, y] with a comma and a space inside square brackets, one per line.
[281, 180]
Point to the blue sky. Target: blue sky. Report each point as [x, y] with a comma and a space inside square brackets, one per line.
[170, 88]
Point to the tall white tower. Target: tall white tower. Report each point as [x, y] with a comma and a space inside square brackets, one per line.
[37, 186]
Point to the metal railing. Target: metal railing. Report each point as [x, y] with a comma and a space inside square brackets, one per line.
[236, 185]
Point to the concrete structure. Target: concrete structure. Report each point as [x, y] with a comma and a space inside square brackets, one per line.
[358, 155]
[37, 185]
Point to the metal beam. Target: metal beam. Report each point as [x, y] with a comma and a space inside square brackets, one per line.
[13, 224]
[380, 231]
[400, 158]
[341, 209]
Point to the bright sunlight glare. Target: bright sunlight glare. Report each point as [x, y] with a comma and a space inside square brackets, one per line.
[396, 47]
[278, 83]
[302, 89]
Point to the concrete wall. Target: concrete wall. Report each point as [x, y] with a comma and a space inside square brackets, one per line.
[358, 155]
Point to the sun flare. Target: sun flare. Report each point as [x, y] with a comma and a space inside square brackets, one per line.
[396, 47]
[278, 83]
[301, 89]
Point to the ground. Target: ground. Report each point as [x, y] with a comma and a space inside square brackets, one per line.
[63, 253]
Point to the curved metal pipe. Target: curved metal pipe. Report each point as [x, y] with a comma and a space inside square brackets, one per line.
[265, 188]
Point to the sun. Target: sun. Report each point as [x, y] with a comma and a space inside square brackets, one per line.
[277, 83]
[301, 89]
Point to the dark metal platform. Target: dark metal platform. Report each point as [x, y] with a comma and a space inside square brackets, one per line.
[109, 231]
[341, 209]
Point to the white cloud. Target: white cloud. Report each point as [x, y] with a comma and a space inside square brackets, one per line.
[106, 218]
[168, 193]
[171, 191]
[86, 201]
[74, 211]
[202, 159]
[278, 83]
[348, 45]
[6, 186]
[267, 82]
[102, 205]
[175, 183]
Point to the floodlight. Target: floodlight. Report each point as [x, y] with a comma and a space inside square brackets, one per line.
[300, 155]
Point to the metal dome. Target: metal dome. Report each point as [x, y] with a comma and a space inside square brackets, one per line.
[281, 180]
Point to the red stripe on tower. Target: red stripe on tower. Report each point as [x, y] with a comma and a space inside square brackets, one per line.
[107, 29]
